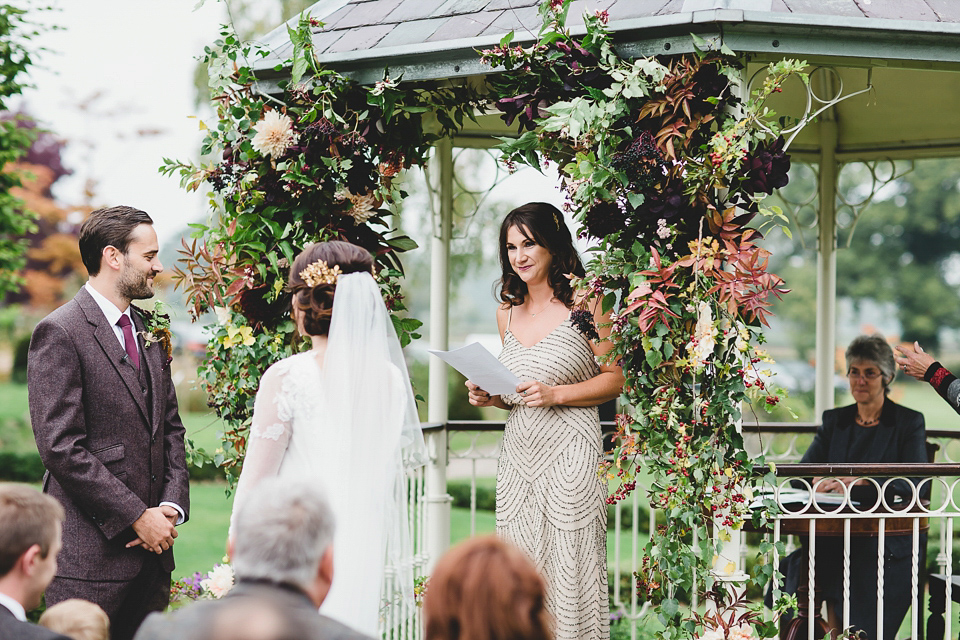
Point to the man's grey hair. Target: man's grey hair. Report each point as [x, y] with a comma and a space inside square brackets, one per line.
[281, 532]
[876, 350]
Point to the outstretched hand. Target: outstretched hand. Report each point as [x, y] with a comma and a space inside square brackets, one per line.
[155, 529]
[914, 361]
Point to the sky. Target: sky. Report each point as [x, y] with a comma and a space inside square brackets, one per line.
[117, 86]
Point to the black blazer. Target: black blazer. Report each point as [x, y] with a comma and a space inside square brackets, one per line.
[900, 437]
[13, 629]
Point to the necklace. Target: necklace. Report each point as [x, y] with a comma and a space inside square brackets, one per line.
[534, 315]
[863, 422]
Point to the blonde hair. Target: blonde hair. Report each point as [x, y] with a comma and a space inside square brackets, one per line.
[79, 619]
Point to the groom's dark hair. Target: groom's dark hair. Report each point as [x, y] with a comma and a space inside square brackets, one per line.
[29, 517]
[108, 227]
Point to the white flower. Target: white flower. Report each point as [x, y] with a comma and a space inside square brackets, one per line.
[663, 231]
[364, 206]
[274, 134]
[712, 634]
[223, 315]
[740, 632]
[704, 339]
[219, 581]
[382, 85]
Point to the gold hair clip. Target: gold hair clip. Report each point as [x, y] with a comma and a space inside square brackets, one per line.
[319, 273]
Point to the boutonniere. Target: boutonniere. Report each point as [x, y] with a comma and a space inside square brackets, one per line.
[157, 330]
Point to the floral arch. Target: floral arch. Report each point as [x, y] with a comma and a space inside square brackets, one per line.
[665, 163]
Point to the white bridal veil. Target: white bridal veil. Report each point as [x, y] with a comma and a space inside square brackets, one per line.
[376, 439]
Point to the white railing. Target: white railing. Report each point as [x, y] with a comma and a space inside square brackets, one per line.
[468, 451]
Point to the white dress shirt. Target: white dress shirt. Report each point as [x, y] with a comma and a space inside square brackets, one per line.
[112, 314]
[15, 607]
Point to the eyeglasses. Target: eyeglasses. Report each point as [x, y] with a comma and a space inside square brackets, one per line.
[869, 374]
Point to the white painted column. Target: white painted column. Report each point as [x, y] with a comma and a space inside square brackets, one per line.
[827, 266]
[438, 501]
[727, 565]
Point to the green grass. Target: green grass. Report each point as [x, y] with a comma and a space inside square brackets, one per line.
[202, 540]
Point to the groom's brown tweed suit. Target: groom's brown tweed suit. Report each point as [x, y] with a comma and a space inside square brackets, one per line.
[113, 444]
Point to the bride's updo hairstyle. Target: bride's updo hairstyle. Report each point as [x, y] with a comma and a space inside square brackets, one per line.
[316, 302]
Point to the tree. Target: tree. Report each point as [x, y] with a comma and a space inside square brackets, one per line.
[902, 251]
[52, 255]
[15, 222]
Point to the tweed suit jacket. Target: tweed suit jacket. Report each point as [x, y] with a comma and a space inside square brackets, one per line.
[13, 629]
[196, 621]
[109, 456]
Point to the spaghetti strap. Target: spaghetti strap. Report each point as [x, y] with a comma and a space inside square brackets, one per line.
[509, 316]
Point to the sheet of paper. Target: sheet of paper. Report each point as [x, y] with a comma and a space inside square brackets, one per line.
[481, 368]
[789, 495]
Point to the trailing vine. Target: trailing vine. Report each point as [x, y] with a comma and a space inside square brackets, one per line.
[665, 165]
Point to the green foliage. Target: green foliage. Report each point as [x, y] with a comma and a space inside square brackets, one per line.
[21, 467]
[15, 221]
[316, 163]
[664, 163]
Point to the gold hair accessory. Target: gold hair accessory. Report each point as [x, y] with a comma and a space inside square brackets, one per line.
[556, 220]
[319, 273]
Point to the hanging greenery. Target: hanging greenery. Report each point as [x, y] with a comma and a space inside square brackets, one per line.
[313, 164]
[664, 163]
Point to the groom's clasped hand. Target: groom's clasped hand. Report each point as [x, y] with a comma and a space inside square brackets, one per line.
[155, 529]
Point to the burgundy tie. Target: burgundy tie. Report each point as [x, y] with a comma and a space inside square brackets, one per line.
[129, 343]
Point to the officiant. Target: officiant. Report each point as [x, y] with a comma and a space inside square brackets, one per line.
[872, 430]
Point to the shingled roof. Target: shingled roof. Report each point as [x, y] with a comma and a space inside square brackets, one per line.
[900, 49]
[438, 38]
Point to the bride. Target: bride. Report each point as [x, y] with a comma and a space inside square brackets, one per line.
[343, 414]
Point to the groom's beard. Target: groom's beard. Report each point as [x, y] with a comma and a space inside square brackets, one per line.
[135, 285]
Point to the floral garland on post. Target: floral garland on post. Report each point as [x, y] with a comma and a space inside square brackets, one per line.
[665, 166]
[316, 163]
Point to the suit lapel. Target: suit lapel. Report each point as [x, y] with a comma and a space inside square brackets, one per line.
[153, 359]
[108, 341]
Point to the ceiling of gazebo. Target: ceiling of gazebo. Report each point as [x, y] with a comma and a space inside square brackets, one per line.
[909, 50]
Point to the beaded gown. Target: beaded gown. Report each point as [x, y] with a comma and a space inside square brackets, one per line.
[550, 501]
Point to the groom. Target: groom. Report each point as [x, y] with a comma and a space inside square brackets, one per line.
[104, 414]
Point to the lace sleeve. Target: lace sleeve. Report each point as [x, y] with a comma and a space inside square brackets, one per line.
[269, 435]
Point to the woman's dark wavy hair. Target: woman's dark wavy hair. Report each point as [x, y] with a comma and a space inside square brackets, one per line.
[543, 223]
[316, 303]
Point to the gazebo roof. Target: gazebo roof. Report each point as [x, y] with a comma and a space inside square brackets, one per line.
[908, 51]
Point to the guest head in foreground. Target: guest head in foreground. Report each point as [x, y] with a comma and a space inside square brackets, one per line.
[486, 589]
[283, 534]
[29, 544]
[282, 555]
[78, 619]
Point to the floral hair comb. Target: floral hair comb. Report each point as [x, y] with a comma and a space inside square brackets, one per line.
[319, 273]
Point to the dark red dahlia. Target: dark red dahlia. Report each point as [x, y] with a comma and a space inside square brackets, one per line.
[766, 168]
[604, 219]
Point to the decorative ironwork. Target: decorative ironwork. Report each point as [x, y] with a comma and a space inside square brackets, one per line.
[470, 187]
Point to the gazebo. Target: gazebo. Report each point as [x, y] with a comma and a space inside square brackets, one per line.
[885, 85]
